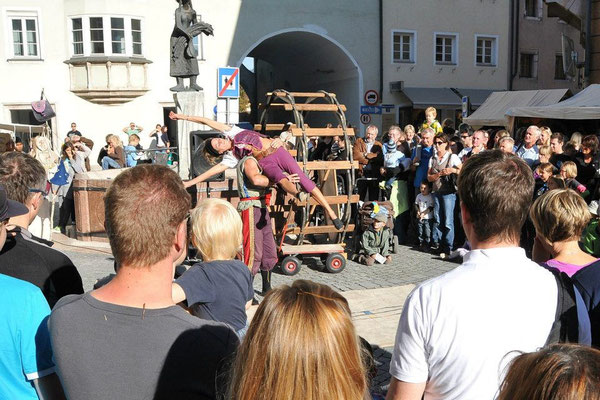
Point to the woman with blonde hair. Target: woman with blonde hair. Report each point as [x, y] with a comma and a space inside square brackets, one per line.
[559, 217]
[301, 344]
[115, 155]
[220, 287]
[557, 372]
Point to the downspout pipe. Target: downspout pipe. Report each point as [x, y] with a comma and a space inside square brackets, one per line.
[381, 49]
[588, 45]
[511, 45]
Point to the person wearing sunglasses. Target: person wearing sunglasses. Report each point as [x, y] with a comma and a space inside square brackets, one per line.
[26, 366]
[443, 171]
[24, 255]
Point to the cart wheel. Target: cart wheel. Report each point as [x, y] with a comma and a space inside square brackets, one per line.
[395, 245]
[290, 265]
[335, 263]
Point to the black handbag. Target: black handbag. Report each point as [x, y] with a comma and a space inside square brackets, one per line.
[42, 110]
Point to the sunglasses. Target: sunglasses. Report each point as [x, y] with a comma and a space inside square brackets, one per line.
[464, 136]
[43, 192]
[439, 143]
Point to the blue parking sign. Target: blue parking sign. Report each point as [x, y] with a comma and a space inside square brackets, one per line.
[228, 85]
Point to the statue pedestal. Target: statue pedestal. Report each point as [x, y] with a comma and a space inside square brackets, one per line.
[188, 103]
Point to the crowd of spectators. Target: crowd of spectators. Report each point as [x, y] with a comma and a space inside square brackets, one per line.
[480, 331]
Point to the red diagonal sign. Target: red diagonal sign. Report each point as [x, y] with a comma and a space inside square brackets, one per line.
[228, 83]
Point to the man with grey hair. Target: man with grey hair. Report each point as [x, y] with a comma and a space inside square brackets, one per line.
[25, 256]
[528, 150]
[368, 153]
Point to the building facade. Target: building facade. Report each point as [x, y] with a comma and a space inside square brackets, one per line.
[441, 51]
[105, 63]
[537, 57]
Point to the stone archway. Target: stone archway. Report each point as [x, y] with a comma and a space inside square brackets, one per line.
[302, 60]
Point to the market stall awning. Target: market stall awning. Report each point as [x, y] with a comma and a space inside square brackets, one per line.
[492, 111]
[584, 105]
[435, 97]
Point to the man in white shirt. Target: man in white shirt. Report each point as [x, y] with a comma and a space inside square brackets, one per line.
[528, 151]
[458, 331]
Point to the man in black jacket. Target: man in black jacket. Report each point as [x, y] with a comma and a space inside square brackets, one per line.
[25, 256]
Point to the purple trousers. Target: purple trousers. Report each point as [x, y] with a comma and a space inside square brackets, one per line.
[265, 249]
[275, 164]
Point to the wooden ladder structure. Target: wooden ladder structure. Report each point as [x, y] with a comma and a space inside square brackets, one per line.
[285, 212]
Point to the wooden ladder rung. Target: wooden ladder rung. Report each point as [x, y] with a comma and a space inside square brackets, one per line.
[270, 127]
[299, 94]
[325, 165]
[312, 248]
[331, 200]
[323, 132]
[319, 229]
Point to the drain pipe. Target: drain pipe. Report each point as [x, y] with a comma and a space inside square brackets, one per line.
[381, 49]
[511, 44]
[588, 45]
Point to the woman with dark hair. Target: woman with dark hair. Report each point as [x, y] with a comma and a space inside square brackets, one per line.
[443, 170]
[73, 157]
[587, 161]
[276, 162]
[557, 372]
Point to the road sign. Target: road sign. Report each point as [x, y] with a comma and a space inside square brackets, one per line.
[365, 118]
[371, 97]
[465, 106]
[228, 84]
[370, 110]
[388, 107]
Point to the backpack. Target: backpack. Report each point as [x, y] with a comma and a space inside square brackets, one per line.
[567, 320]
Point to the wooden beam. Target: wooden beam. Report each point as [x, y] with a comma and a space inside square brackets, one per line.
[313, 107]
[312, 248]
[325, 165]
[270, 127]
[331, 200]
[322, 132]
[319, 229]
[299, 94]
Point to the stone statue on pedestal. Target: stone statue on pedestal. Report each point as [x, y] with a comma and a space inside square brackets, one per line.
[184, 63]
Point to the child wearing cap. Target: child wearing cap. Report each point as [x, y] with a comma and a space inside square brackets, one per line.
[394, 162]
[375, 241]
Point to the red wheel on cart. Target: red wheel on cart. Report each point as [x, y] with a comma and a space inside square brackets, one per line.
[290, 265]
[335, 263]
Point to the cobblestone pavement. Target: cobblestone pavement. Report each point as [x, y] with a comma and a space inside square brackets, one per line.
[408, 267]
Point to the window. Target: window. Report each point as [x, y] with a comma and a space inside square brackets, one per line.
[106, 35]
[117, 33]
[528, 65]
[533, 8]
[77, 29]
[403, 47]
[97, 35]
[446, 49]
[25, 39]
[136, 36]
[486, 50]
[559, 71]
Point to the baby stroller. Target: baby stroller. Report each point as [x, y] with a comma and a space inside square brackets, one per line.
[364, 220]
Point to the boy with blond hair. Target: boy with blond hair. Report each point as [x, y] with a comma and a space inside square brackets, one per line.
[430, 121]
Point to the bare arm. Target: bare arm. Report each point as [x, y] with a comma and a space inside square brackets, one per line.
[431, 176]
[405, 391]
[214, 170]
[252, 172]
[201, 120]
[177, 293]
[49, 388]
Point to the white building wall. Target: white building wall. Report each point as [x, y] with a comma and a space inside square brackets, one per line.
[237, 25]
